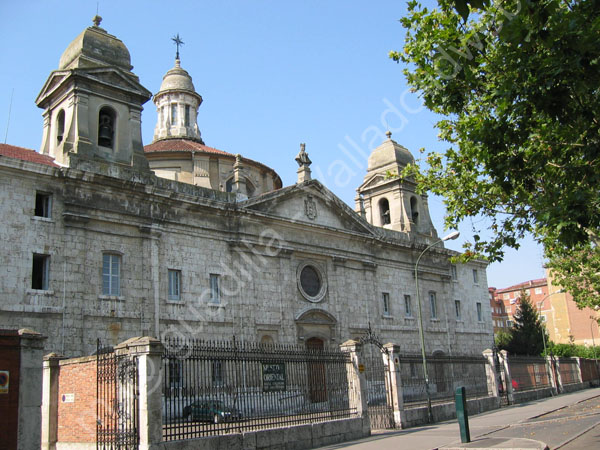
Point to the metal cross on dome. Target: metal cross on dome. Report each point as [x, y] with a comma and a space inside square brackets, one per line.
[178, 42]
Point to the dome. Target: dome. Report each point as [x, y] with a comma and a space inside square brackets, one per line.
[94, 47]
[389, 153]
[177, 79]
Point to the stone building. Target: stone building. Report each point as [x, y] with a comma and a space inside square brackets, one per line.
[104, 238]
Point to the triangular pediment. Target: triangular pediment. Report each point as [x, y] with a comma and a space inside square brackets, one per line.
[55, 79]
[109, 76]
[310, 203]
[115, 78]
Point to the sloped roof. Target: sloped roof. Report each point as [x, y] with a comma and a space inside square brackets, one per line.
[178, 145]
[531, 283]
[26, 154]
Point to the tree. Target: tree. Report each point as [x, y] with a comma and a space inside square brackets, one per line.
[503, 339]
[528, 332]
[517, 84]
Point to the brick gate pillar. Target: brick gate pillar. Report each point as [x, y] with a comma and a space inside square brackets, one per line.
[391, 360]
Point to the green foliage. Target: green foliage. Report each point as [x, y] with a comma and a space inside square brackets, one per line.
[517, 85]
[503, 339]
[527, 331]
[574, 350]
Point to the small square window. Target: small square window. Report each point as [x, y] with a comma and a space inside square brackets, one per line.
[111, 274]
[40, 272]
[408, 306]
[43, 205]
[385, 297]
[538, 291]
[215, 294]
[475, 276]
[433, 305]
[174, 284]
[479, 314]
[457, 309]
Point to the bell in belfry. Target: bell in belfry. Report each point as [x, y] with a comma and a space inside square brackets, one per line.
[105, 131]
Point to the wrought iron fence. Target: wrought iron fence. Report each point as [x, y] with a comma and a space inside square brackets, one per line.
[117, 391]
[569, 371]
[446, 373]
[378, 391]
[528, 372]
[215, 388]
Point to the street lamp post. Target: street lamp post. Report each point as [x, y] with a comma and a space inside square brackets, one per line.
[452, 235]
[539, 306]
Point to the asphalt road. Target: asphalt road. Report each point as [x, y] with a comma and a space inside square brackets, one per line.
[561, 429]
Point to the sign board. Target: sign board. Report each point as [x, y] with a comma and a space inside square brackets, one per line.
[4, 381]
[361, 368]
[273, 376]
[68, 398]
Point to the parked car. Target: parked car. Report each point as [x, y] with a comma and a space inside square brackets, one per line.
[210, 411]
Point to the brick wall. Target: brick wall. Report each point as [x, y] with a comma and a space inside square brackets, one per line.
[77, 382]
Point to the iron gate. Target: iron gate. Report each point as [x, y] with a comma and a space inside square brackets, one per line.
[117, 390]
[378, 377]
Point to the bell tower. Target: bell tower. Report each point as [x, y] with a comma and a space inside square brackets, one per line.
[387, 201]
[93, 104]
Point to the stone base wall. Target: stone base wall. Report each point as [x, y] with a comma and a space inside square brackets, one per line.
[418, 416]
[292, 438]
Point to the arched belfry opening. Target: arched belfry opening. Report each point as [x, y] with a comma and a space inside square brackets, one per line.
[60, 126]
[384, 211]
[414, 210]
[106, 127]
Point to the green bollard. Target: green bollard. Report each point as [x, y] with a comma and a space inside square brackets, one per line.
[460, 399]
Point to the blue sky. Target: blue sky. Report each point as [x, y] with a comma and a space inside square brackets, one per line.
[272, 74]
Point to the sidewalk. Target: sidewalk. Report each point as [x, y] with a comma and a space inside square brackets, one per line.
[446, 435]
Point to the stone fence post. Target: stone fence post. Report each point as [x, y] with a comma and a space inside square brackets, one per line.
[503, 358]
[357, 381]
[391, 361]
[494, 380]
[30, 389]
[149, 352]
[51, 372]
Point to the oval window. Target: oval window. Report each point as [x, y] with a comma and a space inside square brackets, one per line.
[311, 283]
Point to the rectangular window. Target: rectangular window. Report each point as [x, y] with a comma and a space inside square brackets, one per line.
[174, 114]
[509, 323]
[111, 274]
[506, 296]
[475, 276]
[479, 316]
[187, 115]
[457, 309]
[175, 373]
[40, 272]
[433, 305]
[215, 294]
[385, 297]
[408, 306]
[453, 272]
[174, 284]
[538, 291]
[43, 205]
[217, 373]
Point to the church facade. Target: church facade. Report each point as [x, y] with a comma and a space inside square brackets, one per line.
[106, 239]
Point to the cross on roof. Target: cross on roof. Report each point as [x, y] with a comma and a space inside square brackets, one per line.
[178, 42]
